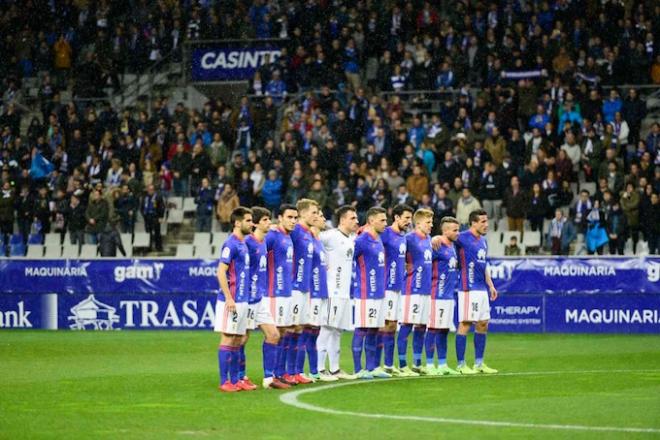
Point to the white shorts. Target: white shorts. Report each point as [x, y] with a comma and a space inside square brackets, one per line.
[280, 310]
[369, 313]
[259, 314]
[318, 312]
[392, 305]
[299, 307]
[340, 314]
[441, 314]
[473, 306]
[230, 323]
[414, 309]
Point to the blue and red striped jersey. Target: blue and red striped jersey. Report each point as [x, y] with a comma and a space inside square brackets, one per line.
[419, 258]
[235, 254]
[303, 252]
[280, 263]
[369, 260]
[319, 271]
[445, 272]
[258, 268]
[472, 252]
[395, 258]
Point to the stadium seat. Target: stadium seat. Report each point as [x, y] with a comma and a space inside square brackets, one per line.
[203, 251]
[642, 248]
[88, 251]
[497, 250]
[35, 251]
[53, 251]
[141, 240]
[506, 237]
[175, 216]
[17, 249]
[589, 186]
[202, 238]
[35, 239]
[70, 251]
[53, 238]
[3, 251]
[139, 227]
[502, 224]
[126, 239]
[493, 239]
[532, 238]
[184, 251]
[218, 239]
[189, 205]
[175, 202]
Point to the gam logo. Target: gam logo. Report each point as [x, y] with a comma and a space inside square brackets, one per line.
[139, 272]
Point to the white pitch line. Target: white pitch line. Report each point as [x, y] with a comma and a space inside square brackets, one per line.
[291, 398]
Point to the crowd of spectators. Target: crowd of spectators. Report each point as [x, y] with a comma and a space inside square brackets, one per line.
[528, 110]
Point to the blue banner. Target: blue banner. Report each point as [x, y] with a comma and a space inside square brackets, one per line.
[517, 313]
[230, 63]
[511, 276]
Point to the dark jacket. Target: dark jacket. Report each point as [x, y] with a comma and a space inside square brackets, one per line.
[75, 218]
[109, 241]
[153, 206]
[98, 211]
[7, 206]
[516, 205]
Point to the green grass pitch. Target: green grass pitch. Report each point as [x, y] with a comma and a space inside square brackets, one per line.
[163, 385]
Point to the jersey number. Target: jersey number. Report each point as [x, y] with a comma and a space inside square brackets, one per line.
[441, 312]
[372, 313]
[281, 311]
[234, 317]
[251, 313]
[475, 307]
[390, 304]
[316, 310]
[415, 308]
[334, 310]
[295, 309]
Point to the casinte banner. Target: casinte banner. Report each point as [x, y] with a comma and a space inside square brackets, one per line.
[230, 63]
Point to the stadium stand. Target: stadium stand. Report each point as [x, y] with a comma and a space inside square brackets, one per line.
[369, 104]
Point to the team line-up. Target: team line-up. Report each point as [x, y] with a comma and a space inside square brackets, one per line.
[304, 285]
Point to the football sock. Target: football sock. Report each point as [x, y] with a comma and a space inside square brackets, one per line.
[241, 362]
[224, 359]
[322, 347]
[379, 348]
[370, 348]
[270, 358]
[418, 344]
[312, 353]
[334, 349]
[234, 365]
[358, 343]
[388, 348]
[281, 355]
[441, 346]
[429, 344]
[402, 343]
[292, 354]
[461, 340]
[479, 347]
[302, 351]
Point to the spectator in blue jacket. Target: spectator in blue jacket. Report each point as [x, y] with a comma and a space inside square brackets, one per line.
[539, 119]
[445, 79]
[272, 191]
[611, 105]
[276, 88]
[201, 133]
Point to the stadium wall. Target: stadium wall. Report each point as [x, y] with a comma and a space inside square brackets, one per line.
[566, 295]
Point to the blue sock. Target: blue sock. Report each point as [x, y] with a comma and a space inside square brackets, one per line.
[461, 341]
[281, 355]
[370, 348]
[441, 345]
[418, 344]
[402, 344]
[358, 344]
[224, 359]
[479, 347]
[292, 354]
[234, 365]
[302, 352]
[270, 352]
[312, 353]
[241, 362]
[388, 348]
[429, 345]
[379, 348]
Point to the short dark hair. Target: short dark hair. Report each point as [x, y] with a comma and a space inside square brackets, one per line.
[286, 207]
[376, 210]
[474, 215]
[238, 214]
[343, 210]
[399, 209]
[449, 219]
[259, 212]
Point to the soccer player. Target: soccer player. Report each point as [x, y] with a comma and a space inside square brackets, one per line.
[318, 307]
[394, 242]
[339, 244]
[258, 308]
[369, 295]
[443, 289]
[303, 253]
[475, 284]
[280, 278]
[414, 304]
[232, 304]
